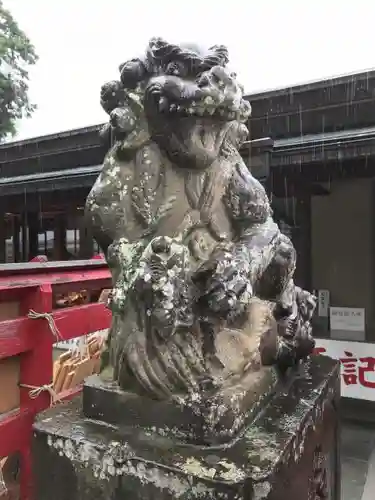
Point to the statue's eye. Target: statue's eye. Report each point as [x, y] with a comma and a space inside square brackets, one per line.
[175, 68]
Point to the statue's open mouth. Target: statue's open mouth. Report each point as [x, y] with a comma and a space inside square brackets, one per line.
[214, 94]
[190, 118]
[203, 108]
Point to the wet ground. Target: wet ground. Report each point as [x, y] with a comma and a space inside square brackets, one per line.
[358, 462]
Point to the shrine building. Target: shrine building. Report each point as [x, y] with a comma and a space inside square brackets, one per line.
[318, 167]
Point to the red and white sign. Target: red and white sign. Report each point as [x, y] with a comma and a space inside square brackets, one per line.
[357, 361]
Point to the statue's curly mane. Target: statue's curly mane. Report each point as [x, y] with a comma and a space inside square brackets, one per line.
[170, 88]
[161, 53]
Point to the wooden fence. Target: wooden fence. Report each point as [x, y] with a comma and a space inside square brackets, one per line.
[29, 327]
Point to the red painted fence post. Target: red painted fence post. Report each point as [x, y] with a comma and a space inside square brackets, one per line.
[35, 371]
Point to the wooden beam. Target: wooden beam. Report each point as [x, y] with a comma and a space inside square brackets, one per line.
[16, 334]
[33, 224]
[2, 239]
[69, 281]
[24, 236]
[16, 239]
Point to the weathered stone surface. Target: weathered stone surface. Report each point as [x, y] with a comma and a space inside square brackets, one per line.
[289, 451]
[203, 293]
[204, 393]
[104, 400]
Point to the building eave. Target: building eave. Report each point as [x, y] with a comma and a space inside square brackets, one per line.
[312, 85]
[323, 148]
[49, 181]
[50, 137]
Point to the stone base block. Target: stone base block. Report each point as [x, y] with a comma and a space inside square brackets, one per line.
[193, 422]
[289, 451]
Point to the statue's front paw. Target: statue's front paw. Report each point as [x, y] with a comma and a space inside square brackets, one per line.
[224, 285]
[230, 297]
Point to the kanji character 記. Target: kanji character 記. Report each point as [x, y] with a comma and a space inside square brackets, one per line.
[367, 367]
[349, 364]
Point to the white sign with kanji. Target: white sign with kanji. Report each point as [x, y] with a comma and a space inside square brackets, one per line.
[323, 303]
[350, 319]
[357, 361]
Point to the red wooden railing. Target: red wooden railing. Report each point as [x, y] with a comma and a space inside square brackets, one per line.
[33, 285]
[31, 337]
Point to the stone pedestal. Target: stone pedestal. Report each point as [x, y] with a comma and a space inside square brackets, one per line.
[287, 450]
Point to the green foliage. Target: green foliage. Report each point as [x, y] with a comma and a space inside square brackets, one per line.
[16, 55]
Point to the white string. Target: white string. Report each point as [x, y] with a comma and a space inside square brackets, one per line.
[35, 391]
[49, 318]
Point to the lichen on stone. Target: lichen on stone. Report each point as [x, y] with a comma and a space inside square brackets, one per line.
[203, 294]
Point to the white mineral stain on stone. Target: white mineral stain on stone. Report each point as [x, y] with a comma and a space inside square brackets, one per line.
[261, 490]
[117, 460]
[233, 473]
[193, 466]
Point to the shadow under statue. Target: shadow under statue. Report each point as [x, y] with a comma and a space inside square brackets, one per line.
[207, 389]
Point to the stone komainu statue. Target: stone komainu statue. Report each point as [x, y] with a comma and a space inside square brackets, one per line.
[203, 295]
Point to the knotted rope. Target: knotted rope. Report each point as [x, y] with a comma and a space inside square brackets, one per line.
[49, 318]
[35, 391]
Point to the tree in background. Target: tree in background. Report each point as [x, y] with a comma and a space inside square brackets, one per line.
[16, 54]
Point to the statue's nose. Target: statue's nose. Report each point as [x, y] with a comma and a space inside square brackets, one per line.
[221, 76]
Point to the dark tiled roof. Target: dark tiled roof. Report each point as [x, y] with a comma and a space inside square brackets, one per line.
[50, 137]
[338, 138]
[313, 85]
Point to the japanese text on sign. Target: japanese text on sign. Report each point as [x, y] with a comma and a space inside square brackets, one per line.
[347, 318]
[357, 362]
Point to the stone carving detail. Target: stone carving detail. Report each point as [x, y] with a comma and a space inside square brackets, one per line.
[319, 483]
[203, 294]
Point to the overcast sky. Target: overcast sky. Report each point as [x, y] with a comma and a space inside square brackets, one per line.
[272, 43]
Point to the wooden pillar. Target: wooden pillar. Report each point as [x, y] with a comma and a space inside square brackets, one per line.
[33, 224]
[59, 240]
[302, 242]
[16, 239]
[24, 237]
[86, 242]
[3, 237]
